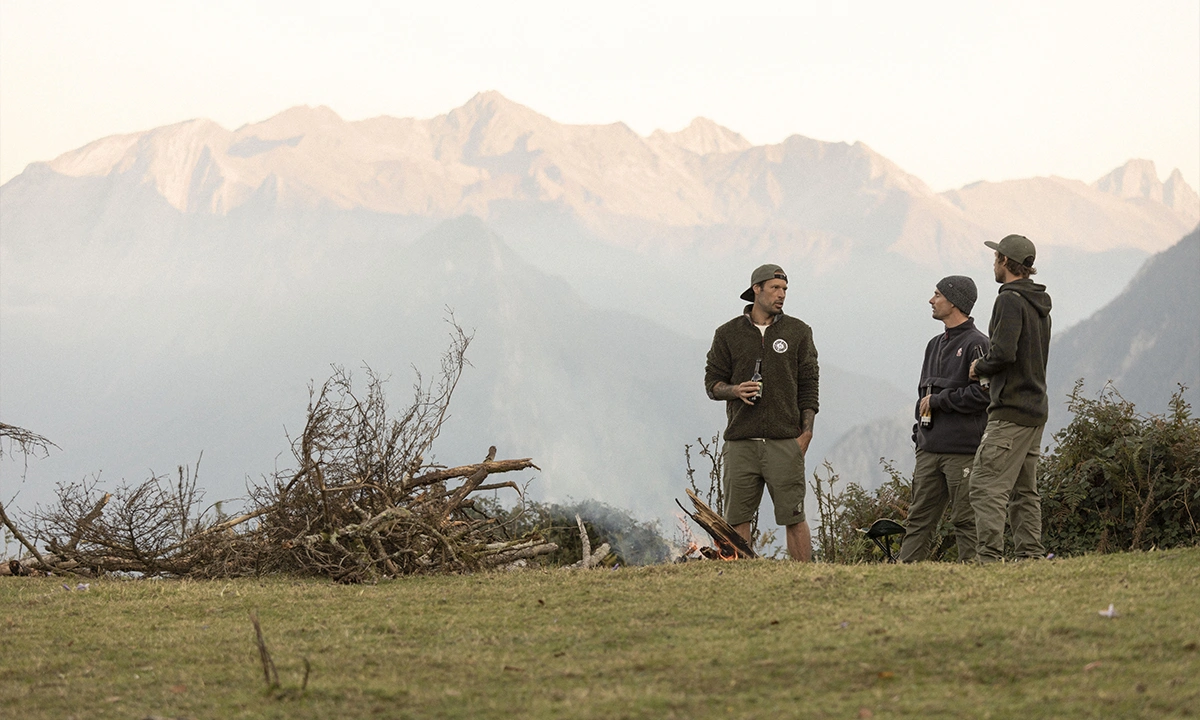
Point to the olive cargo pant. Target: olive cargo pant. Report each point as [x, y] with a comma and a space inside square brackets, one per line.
[939, 479]
[1004, 478]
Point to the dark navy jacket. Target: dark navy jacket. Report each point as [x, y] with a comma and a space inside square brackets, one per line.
[959, 404]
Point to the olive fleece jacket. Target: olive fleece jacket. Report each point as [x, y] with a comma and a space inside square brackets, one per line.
[1016, 363]
[959, 404]
[789, 370]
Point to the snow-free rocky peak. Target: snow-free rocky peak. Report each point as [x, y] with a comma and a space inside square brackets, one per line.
[703, 137]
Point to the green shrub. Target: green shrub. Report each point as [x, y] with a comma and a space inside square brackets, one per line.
[843, 513]
[1119, 480]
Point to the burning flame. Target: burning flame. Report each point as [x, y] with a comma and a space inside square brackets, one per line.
[693, 550]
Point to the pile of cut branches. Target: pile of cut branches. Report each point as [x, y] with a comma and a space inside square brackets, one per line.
[361, 502]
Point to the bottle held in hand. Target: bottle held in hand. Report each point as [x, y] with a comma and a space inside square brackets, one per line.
[757, 378]
[927, 414]
[984, 382]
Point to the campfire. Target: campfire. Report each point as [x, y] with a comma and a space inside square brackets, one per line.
[727, 544]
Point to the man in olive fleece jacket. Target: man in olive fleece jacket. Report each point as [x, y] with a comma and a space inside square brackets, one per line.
[951, 414]
[769, 423]
[1004, 475]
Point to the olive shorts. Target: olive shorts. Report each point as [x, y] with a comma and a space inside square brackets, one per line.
[749, 464]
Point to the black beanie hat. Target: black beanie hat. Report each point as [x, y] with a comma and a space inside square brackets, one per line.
[960, 291]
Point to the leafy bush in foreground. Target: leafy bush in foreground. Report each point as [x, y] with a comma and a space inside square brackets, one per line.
[1119, 480]
[844, 512]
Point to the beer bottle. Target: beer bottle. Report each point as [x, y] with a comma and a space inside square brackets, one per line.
[984, 382]
[927, 416]
[757, 378]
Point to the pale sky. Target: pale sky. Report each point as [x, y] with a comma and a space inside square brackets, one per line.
[953, 92]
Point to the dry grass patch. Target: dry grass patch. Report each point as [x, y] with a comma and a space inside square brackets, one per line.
[744, 639]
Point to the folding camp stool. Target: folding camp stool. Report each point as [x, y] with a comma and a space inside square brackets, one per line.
[881, 532]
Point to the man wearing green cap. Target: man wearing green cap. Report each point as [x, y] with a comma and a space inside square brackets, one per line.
[1004, 474]
[769, 421]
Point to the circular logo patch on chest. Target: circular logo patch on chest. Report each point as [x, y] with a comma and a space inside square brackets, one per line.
[779, 346]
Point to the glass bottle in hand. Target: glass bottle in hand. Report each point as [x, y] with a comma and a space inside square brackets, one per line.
[984, 382]
[757, 378]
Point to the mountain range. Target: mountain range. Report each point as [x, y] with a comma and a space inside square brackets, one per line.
[494, 152]
[1146, 342]
[176, 290]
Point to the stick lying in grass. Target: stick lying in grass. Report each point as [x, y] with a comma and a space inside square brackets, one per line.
[270, 674]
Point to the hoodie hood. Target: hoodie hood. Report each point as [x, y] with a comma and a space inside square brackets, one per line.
[1034, 293]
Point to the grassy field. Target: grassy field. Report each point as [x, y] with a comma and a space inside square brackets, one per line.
[759, 639]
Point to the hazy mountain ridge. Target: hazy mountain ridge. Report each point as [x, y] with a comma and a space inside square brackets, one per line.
[492, 150]
[170, 291]
[1139, 179]
[607, 207]
[702, 137]
[858, 454]
[209, 347]
[1100, 216]
[1146, 341]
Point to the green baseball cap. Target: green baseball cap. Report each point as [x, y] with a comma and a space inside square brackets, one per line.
[1016, 247]
[762, 274]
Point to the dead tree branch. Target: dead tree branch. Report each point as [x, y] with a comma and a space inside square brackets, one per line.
[361, 501]
[729, 543]
[25, 441]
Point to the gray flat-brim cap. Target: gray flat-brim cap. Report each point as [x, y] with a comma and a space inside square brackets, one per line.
[761, 274]
[1016, 247]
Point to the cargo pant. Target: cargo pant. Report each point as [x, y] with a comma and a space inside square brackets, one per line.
[939, 479]
[1004, 480]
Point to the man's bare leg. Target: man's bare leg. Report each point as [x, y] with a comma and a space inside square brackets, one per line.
[799, 542]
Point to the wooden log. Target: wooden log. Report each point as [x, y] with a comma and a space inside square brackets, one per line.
[517, 553]
[473, 481]
[729, 542]
[590, 559]
[492, 466]
[585, 543]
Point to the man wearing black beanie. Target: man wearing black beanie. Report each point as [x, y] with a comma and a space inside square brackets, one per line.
[951, 415]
